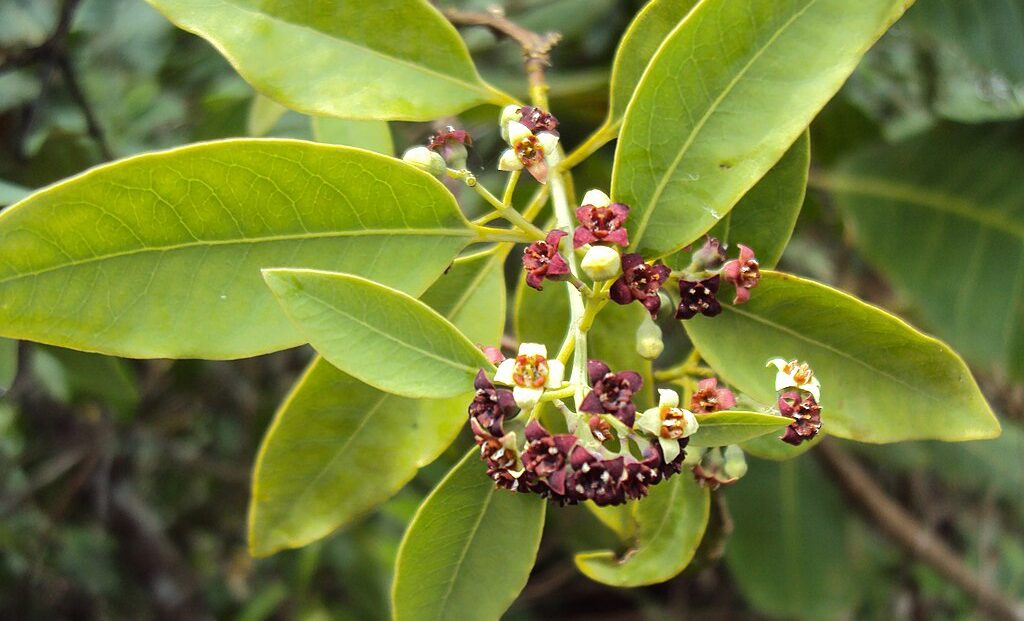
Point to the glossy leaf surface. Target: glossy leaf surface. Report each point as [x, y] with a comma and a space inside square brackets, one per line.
[882, 381]
[733, 427]
[730, 90]
[372, 135]
[942, 216]
[469, 549]
[385, 338]
[671, 523]
[353, 446]
[387, 59]
[159, 255]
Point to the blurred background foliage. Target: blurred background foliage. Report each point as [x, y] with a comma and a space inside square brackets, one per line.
[123, 484]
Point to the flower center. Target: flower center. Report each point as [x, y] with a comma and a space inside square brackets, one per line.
[529, 151]
[530, 371]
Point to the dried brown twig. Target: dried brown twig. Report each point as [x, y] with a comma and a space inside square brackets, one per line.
[900, 526]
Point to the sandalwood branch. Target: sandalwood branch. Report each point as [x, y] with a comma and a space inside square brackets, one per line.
[900, 526]
[536, 47]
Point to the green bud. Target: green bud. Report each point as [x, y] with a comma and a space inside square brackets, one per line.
[426, 160]
[735, 462]
[601, 263]
[648, 339]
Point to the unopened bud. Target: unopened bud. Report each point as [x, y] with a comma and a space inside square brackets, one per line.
[426, 160]
[601, 263]
[735, 462]
[648, 339]
[508, 114]
[596, 198]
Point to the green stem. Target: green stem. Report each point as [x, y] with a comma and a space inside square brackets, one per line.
[487, 234]
[575, 340]
[561, 393]
[503, 209]
[510, 187]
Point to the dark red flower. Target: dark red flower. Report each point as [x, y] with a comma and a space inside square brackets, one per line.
[447, 137]
[640, 475]
[698, 298]
[710, 398]
[601, 225]
[806, 415]
[546, 455]
[744, 273]
[639, 281]
[611, 393]
[541, 260]
[600, 428]
[537, 120]
[490, 405]
[596, 479]
[492, 353]
[671, 467]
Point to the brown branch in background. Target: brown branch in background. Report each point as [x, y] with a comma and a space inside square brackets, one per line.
[900, 526]
[536, 47]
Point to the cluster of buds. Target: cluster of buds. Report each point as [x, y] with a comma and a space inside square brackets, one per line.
[532, 136]
[570, 468]
[799, 398]
[698, 290]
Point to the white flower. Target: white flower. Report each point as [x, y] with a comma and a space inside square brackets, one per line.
[529, 373]
[668, 422]
[795, 375]
[534, 152]
[601, 263]
[596, 198]
[426, 160]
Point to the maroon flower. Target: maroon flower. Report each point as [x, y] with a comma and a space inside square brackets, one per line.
[596, 479]
[669, 468]
[490, 405]
[600, 428]
[612, 393]
[641, 474]
[806, 415]
[639, 281]
[448, 138]
[492, 353]
[537, 120]
[601, 225]
[546, 455]
[744, 273]
[541, 260]
[698, 297]
[710, 398]
[496, 451]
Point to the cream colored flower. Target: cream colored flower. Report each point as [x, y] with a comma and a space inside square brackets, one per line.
[529, 374]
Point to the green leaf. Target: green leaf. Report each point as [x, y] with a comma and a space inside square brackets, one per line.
[371, 135]
[351, 446]
[791, 522]
[159, 255]
[638, 45]
[264, 113]
[468, 551]
[940, 216]
[765, 216]
[384, 337]
[388, 59]
[713, 113]
[881, 380]
[672, 520]
[733, 427]
[8, 364]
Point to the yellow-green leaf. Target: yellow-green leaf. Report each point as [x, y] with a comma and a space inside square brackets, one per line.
[730, 89]
[469, 549]
[159, 255]
[733, 427]
[881, 380]
[386, 59]
[382, 336]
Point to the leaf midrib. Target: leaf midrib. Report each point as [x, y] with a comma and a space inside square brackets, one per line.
[465, 550]
[645, 216]
[246, 240]
[395, 59]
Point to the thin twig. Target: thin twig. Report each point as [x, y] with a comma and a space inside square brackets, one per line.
[900, 526]
[92, 124]
[536, 47]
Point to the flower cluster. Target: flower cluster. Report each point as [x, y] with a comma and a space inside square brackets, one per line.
[799, 396]
[569, 468]
[698, 291]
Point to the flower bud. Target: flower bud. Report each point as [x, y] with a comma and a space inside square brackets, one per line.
[426, 160]
[601, 263]
[648, 339]
[735, 465]
[508, 114]
[596, 198]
